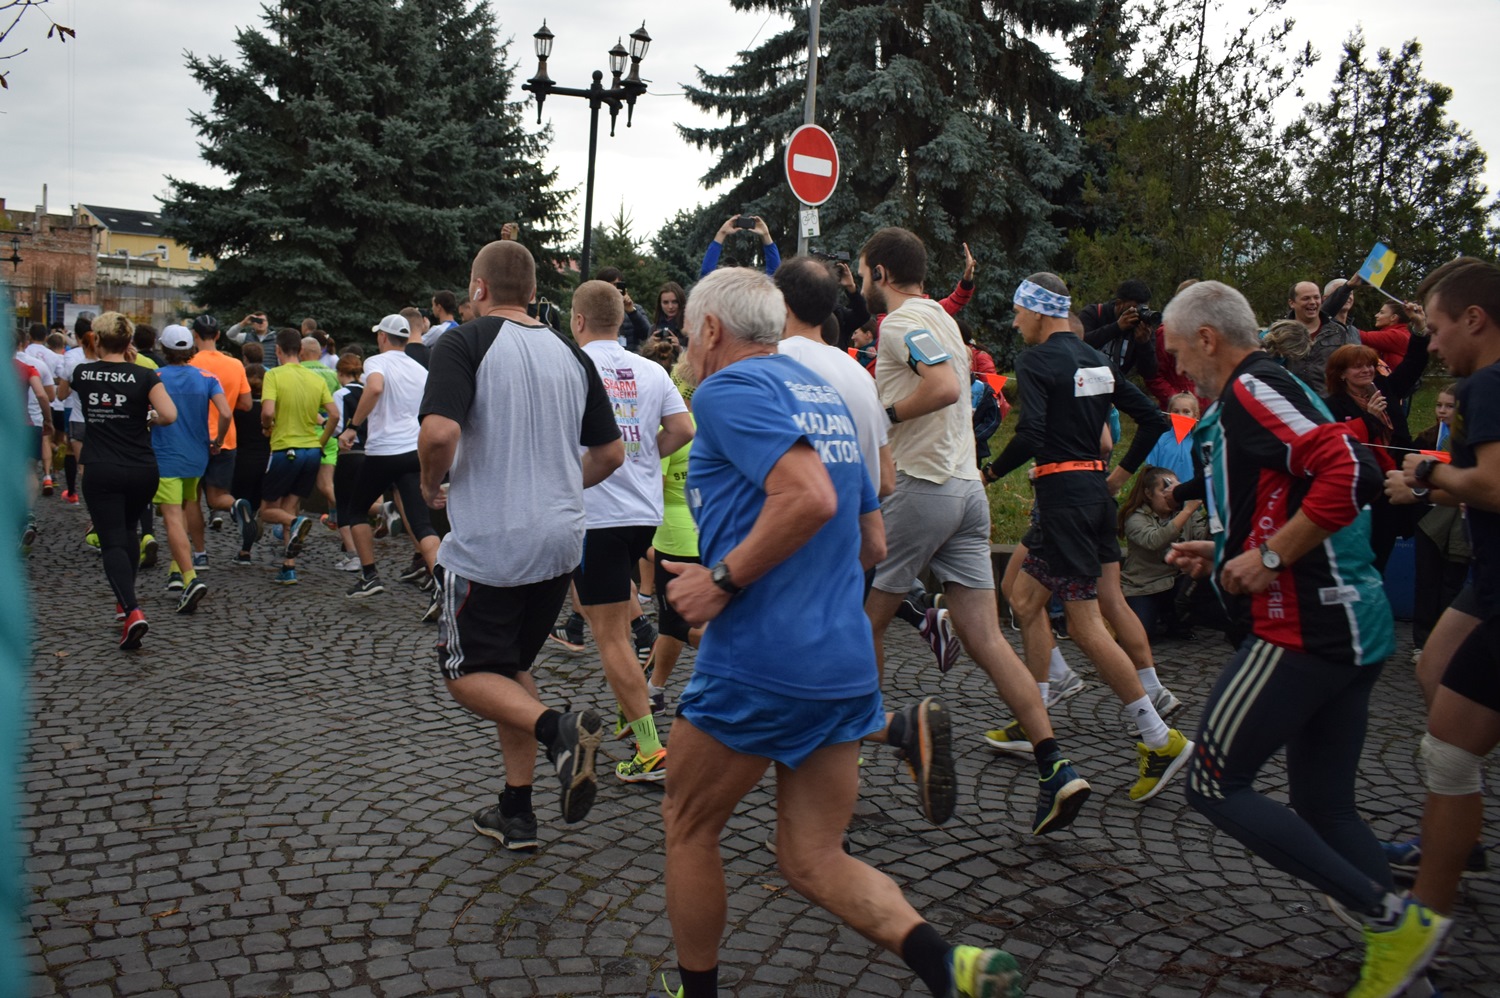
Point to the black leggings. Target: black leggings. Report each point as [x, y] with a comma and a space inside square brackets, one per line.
[404, 471]
[115, 498]
[1267, 698]
[345, 474]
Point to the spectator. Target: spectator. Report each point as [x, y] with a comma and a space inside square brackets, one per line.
[1115, 328]
[768, 246]
[1169, 379]
[1319, 316]
[1287, 342]
[1442, 545]
[1169, 452]
[254, 328]
[1150, 523]
[636, 326]
[1392, 332]
[445, 311]
[670, 301]
[980, 361]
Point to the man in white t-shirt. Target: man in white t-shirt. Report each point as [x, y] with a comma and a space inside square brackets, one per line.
[394, 384]
[46, 363]
[70, 360]
[38, 415]
[624, 510]
[939, 517]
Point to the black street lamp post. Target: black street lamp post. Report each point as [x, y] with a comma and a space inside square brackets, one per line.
[621, 92]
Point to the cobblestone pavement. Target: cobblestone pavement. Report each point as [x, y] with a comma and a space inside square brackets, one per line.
[274, 797]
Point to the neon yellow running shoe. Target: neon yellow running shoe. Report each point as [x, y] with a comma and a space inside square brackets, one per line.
[983, 973]
[1396, 957]
[1158, 766]
[643, 770]
[1010, 738]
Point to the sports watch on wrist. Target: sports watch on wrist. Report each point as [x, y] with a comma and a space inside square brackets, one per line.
[1270, 558]
[1423, 470]
[720, 575]
[890, 413]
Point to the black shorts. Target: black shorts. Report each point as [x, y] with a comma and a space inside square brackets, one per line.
[401, 471]
[494, 629]
[609, 557]
[220, 473]
[60, 421]
[1075, 541]
[1474, 670]
[345, 473]
[668, 620]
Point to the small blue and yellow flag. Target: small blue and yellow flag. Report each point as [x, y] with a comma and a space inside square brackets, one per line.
[1378, 264]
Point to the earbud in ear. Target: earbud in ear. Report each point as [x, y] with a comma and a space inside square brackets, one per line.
[879, 274]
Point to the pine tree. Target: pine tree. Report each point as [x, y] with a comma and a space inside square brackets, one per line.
[1385, 162]
[950, 120]
[371, 151]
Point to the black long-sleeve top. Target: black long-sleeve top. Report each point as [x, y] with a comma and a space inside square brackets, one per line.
[851, 317]
[1101, 330]
[1067, 388]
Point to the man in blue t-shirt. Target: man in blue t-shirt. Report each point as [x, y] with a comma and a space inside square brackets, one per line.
[788, 522]
[1459, 670]
[182, 452]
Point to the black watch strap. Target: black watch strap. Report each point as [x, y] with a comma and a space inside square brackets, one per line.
[720, 575]
[890, 413]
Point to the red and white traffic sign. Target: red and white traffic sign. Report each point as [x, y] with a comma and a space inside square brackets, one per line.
[812, 165]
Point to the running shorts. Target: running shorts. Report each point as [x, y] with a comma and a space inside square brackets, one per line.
[492, 628]
[176, 491]
[609, 558]
[787, 730]
[943, 527]
[291, 472]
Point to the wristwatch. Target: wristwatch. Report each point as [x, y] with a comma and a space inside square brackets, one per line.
[720, 575]
[1423, 470]
[890, 413]
[1270, 558]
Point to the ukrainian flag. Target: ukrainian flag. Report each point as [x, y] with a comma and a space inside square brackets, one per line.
[1378, 264]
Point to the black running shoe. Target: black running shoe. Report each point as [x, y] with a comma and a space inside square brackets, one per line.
[516, 833]
[192, 596]
[569, 635]
[927, 748]
[364, 588]
[415, 570]
[644, 633]
[578, 738]
[434, 608]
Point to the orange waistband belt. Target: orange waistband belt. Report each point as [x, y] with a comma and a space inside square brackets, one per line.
[1042, 470]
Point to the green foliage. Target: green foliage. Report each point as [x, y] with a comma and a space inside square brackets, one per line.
[950, 120]
[615, 245]
[371, 150]
[1386, 163]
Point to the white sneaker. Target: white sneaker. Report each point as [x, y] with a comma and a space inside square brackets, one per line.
[349, 564]
[1059, 690]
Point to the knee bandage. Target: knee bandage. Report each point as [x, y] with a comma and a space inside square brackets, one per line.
[1451, 771]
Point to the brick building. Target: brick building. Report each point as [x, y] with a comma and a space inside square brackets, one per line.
[58, 261]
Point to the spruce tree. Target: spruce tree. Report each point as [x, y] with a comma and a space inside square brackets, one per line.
[950, 120]
[371, 150]
[1385, 162]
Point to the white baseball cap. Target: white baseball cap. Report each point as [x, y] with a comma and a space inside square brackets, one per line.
[176, 337]
[393, 325]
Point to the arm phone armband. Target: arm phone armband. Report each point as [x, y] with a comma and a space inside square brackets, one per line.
[923, 348]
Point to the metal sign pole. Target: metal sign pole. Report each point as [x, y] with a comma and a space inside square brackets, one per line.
[810, 111]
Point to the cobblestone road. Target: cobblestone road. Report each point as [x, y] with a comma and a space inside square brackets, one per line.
[273, 798]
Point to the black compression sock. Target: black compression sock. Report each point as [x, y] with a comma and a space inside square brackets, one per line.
[368, 571]
[1046, 753]
[699, 983]
[546, 727]
[515, 800]
[926, 953]
[70, 472]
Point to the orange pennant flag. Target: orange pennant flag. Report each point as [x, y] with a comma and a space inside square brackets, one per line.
[853, 352]
[1443, 457]
[995, 381]
[1182, 425]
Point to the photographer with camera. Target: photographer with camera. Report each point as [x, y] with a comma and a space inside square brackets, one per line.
[254, 328]
[1124, 329]
[749, 223]
[635, 329]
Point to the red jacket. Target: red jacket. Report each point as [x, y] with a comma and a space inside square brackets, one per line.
[1391, 342]
[1168, 380]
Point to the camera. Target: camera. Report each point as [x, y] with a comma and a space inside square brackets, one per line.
[746, 220]
[1148, 318]
[842, 256]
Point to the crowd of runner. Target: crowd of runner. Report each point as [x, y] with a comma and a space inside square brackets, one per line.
[776, 466]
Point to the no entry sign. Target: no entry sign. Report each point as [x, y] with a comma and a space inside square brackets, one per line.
[812, 165]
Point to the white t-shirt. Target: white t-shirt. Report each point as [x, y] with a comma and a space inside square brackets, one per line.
[642, 393]
[40, 357]
[70, 360]
[939, 445]
[430, 338]
[392, 424]
[845, 376]
[33, 407]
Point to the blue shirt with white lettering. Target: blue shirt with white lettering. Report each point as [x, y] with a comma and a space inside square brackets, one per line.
[801, 630]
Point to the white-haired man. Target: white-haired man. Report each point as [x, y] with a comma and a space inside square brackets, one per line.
[788, 521]
[1290, 555]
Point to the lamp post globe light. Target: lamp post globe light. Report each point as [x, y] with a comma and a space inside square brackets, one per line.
[621, 92]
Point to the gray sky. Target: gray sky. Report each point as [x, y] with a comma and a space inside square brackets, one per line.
[103, 119]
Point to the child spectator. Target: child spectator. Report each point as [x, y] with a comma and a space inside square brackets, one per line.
[1169, 452]
[1150, 522]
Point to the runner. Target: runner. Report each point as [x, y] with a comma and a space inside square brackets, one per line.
[183, 451]
[507, 407]
[789, 521]
[1290, 556]
[623, 512]
[1067, 390]
[292, 400]
[118, 401]
[219, 476]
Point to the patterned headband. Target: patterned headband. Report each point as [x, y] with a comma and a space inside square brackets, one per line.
[1039, 299]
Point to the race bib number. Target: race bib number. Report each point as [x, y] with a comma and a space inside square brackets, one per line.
[1093, 381]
